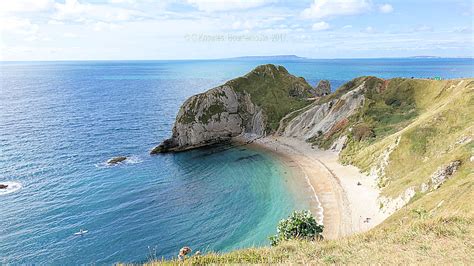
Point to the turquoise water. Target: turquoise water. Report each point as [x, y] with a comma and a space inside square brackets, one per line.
[60, 121]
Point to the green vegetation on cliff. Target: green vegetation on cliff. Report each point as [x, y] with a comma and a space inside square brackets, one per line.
[433, 120]
[275, 90]
[406, 131]
[435, 229]
[252, 104]
[190, 116]
[388, 107]
[214, 109]
[421, 126]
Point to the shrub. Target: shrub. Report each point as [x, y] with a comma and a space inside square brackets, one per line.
[300, 225]
[362, 132]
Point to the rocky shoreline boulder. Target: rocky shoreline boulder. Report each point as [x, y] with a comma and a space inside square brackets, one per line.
[2, 186]
[116, 160]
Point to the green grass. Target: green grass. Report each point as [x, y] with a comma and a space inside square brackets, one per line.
[431, 118]
[445, 114]
[388, 107]
[270, 87]
[435, 228]
[275, 90]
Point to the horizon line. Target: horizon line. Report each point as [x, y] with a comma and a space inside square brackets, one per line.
[250, 57]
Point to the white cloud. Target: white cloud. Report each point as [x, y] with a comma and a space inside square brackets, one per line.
[319, 26]
[74, 10]
[70, 35]
[370, 29]
[246, 25]
[225, 5]
[14, 6]
[347, 27]
[249, 23]
[101, 26]
[31, 38]
[122, 1]
[17, 25]
[423, 28]
[462, 30]
[330, 8]
[386, 8]
[55, 22]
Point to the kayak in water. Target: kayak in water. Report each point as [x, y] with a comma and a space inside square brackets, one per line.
[81, 232]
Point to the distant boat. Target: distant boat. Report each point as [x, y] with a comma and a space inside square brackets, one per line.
[81, 232]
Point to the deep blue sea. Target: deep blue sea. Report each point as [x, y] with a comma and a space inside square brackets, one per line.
[61, 121]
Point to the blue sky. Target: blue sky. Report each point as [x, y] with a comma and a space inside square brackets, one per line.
[192, 29]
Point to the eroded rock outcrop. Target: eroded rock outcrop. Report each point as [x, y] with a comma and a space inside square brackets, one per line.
[325, 116]
[116, 160]
[322, 89]
[443, 173]
[251, 105]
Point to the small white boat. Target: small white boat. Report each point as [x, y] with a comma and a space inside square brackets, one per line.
[81, 232]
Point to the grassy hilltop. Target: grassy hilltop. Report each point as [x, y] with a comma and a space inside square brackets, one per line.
[426, 125]
[275, 90]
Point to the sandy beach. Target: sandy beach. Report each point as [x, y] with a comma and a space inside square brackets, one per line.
[348, 197]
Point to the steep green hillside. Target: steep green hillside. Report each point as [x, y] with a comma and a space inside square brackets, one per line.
[406, 131]
[269, 87]
[437, 228]
[252, 105]
[433, 120]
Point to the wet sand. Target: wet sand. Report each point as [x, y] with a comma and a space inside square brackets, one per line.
[347, 196]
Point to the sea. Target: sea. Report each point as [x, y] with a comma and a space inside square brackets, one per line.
[61, 121]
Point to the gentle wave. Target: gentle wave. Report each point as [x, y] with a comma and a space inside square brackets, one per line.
[12, 187]
[320, 210]
[64, 118]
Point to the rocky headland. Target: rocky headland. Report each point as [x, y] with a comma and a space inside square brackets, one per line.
[368, 149]
[252, 105]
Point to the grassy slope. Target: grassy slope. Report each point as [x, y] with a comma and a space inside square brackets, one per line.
[443, 114]
[435, 227]
[420, 232]
[275, 90]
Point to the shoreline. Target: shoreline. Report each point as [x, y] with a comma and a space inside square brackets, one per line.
[346, 196]
[299, 179]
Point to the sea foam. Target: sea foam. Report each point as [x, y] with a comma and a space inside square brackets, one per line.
[130, 160]
[12, 187]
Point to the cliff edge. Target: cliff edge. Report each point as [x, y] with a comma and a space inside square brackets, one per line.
[251, 105]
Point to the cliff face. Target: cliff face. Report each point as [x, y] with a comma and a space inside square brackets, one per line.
[324, 116]
[250, 105]
[401, 132]
[322, 89]
[216, 115]
[414, 136]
